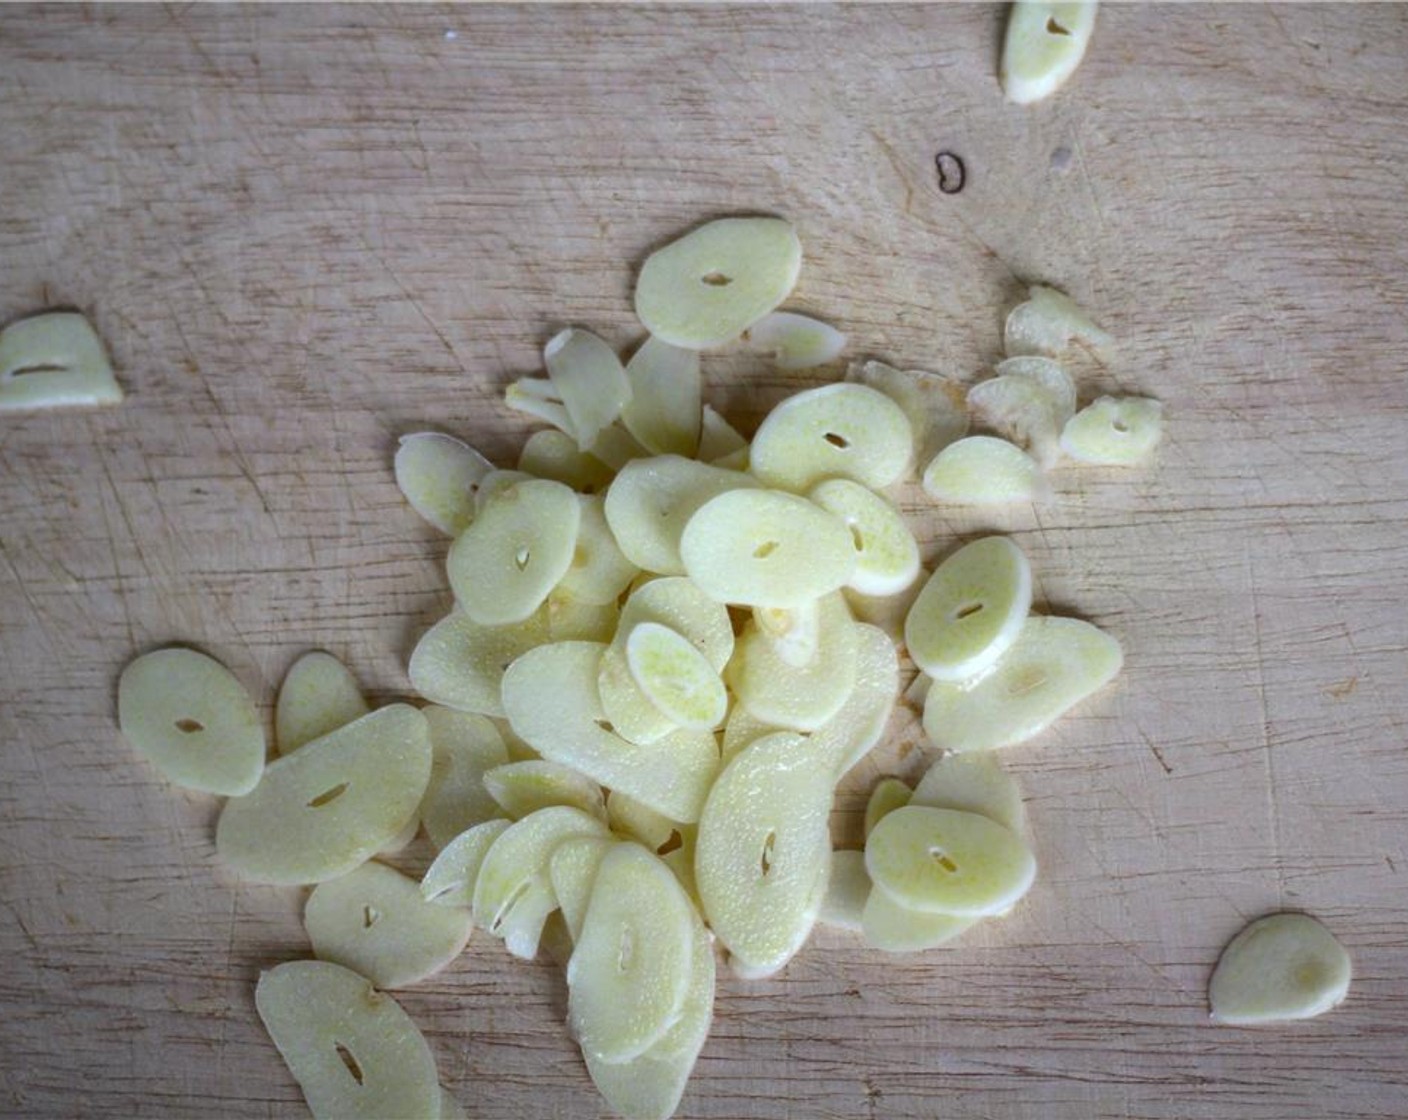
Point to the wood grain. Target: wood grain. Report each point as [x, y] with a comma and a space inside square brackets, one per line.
[304, 231]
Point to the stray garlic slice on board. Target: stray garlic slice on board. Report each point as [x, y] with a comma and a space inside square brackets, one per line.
[843, 430]
[438, 475]
[554, 455]
[943, 861]
[676, 676]
[974, 783]
[572, 869]
[1054, 664]
[795, 341]
[598, 573]
[188, 716]
[766, 548]
[887, 556]
[848, 736]
[319, 694]
[514, 552]
[1281, 967]
[450, 880]
[711, 284]
[933, 404]
[846, 891]
[589, 379]
[521, 788]
[355, 1054]
[1047, 322]
[983, 470]
[460, 663]
[888, 795]
[1047, 373]
[1114, 431]
[664, 412]
[798, 697]
[971, 610]
[374, 921]
[54, 360]
[1019, 409]
[1045, 44]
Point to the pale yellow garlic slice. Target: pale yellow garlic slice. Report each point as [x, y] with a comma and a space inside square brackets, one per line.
[439, 475]
[1019, 409]
[888, 926]
[450, 880]
[571, 620]
[1047, 323]
[680, 860]
[332, 804]
[460, 663]
[793, 633]
[675, 676]
[494, 482]
[514, 552]
[539, 398]
[572, 869]
[464, 746]
[1114, 431]
[849, 735]
[763, 845]
[971, 610]
[981, 471]
[718, 439]
[552, 701]
[677, 603]
[1279, 968]
[887, 555]
[795, 341]
[188, 716]
[704, 289]
[742, 729]
[521, 788]
[319, 694]
[54, 360]
[974, 783]
[635, 821]
[589, 379]
[598, 572]
[664, 411]
[615, 447]
[631, 969]
[652, 500]
[933, 404]
[810, 914]
[1054, 664]
[1045, 44]
[846, 891]
[843, 430]
[355, 1054]
[629, 711]
[943, 861]
[766, 548]
[374, 921]
[801, 698]
[554, 455]
[888, 795]
[1050, 375]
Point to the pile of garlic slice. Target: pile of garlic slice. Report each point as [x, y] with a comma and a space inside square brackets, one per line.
[669, 644]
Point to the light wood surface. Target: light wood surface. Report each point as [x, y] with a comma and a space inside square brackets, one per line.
[304, 231]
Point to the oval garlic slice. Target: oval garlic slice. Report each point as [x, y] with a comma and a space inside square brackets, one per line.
[589, 380]
[450, 880]
[842, 430]
[971, 610]
[1114, 431]
[1281, 967]
[765, 548]
[982, 471]
[438, 475]
[191, 719]
[355, 1054]
[704, 289]
[1045, 44]
[887, 556]
[1050, 375]
[677, 603]
[795, 341]
[54, 360]
[1047, 323]
[943, 861]
[319, 694]
[514, 552]
[664, 412]
[521, 788]
[374, 921]
[676, 677]
[1020, 409]
[1054, 664]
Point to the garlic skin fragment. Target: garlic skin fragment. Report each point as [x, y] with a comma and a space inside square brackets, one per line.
[1045, 44]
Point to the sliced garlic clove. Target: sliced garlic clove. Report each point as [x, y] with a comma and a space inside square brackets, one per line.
[846, 891]
[942, 861]
[676, 676]
[858, 725]
[793, 633]
[887, 556]
[1054, 664]
[1050, 375]
[571, 620]
[933, 404]
[971, 610]
[631, 713]
[983, 470]
[438, 475]
[1114, 431]
[522, 788]
[572, 869]
[460, 663]
[801, 698]
[54, 360]
[598, 572]
[677, 603]
[664, 412]
[1047, 323]
[742, 729]
[319, 694]
[553, 455]
[494, 482]
[888, 795]
[973, 783]
[842, 430]
[892, 928]
[1045, 44]
[589, 380]
[704, 289]
[795, 341]
[1281, 967]
[1021, 410]
[635, 821]
[615, 447]
[450, 880]
[718, 439]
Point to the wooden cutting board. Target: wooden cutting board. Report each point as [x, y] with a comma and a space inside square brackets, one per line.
[305, 231]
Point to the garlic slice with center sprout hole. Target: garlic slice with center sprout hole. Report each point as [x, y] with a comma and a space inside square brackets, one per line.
[795, 341]
[54, 360]
[1044, 45]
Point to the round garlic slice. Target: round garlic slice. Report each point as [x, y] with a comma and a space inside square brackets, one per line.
[460, 663]
[450, 880]
[1114, 431]
[1045, 44]
[676, 676]
[942, 861]
[355, 1054]
[887, 556]
[677, 603]
[373, 920]
[1281, 967]
[888, 795]
[798, 697]
[319, 694]
[795, 341]
[764, 548]
[971, 610]
[438, 475]
[598, 571]
[502, 567]
[1054, 664]
[521, 788]
[842, 430]
[191, 719]
[981, 471]
[706, 288]
[665, 411]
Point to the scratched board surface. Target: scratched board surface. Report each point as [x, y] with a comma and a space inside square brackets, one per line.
[306, 231]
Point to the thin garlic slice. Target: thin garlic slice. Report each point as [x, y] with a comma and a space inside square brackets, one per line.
[1019, 409]
[438, 475]
[664, 412]
[983, 470]
[589, 379]
[572, 620]
[846, 891]
[892, 928]
[1114, 431]
[1050, 375]
[676, 676]
[795, 341]
[888, 795]
[1281, 967]
[718, 439]
[1054, 664]
[554, 455]
[54, 360]
[572, 869]
[793, 633]
[849, 735]
[521, 788]
[842, 430]
[319, 694]
[805, 697]
[974, 783]
[191, 719]
[677, 603]
[704, 289]
[742, 729]
[887, 555]
[1047, 323]
[598, 572]
[631, 713]
[450, 880]
[492, 483]
[638, 822]
[1045, 44]
[933, 404]
[460, 663]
